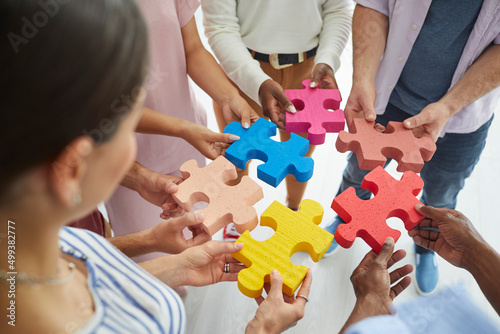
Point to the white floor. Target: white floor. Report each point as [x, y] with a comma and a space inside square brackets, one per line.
[223, 309]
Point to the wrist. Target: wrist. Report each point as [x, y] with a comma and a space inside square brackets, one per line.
[254, 327]
[372, 305]
[134, 177]
[477, 257]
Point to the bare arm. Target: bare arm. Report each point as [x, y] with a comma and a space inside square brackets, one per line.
[369, 37]
[204, 70]
[481, 78]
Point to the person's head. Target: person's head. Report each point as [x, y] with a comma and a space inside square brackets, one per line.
[70, 98]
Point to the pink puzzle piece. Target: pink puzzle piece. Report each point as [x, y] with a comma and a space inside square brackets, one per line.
[313, 115]
[397, 142]
[367, 219]
[226, 203]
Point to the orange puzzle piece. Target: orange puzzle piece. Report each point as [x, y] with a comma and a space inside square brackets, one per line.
[396, 142]
[295, 231]
[226, 203]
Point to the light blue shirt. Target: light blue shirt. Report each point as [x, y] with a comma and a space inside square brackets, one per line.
[448, 311]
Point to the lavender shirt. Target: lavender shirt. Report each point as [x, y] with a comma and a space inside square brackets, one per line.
[405, 20]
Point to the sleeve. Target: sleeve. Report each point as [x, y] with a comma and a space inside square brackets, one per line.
[381, 324]
[223, 32]
[381, 6]
[337, 18]
[186, 10]
[497, 40]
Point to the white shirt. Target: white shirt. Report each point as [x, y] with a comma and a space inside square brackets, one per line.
[274, 26]
[405, 20]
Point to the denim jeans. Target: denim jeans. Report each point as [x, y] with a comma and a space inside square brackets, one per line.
[444, 175]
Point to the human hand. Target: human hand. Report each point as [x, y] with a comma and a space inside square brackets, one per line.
[168, 236]
[157, 189]
[323, 75]
[456, 240]
[278, 312]
[204, 265]
[372, 281]
[360, 103]
[274, 102]
[237, 109]
[210, 144]
[430, 121]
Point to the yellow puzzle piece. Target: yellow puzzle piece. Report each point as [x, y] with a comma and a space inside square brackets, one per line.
[295, 231]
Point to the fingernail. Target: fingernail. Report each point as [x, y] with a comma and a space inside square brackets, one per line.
[199, 216]
[389, 240]
[246, 125]
[418, 206]
[162, 216]
[234, 137]
[274, 272]
[313, 84]
[292, 109]
[172, 187]
[408, 123]
[370, 117]
[239, 246]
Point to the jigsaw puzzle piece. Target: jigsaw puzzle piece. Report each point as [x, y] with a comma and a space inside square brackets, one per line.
[372, 148]
[317, 112]
[226, 203]
[294, 232]
[367, 219]
[280, 159]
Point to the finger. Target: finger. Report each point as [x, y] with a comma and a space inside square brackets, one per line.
[400, 287]
[281, 97]
[426, 223]
[368, 111]
[316, 78]
[168, 183]
[396, 257]
[228, 138]
[200, 237]
[428, 234]
[386, 252]
[276, 291]
[365, 262]
[433, 213]
[426, 243]
[399, 273]
[190, 220]
[379, 127]
[305, 289]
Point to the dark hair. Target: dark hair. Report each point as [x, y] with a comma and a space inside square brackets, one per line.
[69, 67]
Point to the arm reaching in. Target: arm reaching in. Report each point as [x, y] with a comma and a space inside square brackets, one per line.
[375, 288]
[456, 240]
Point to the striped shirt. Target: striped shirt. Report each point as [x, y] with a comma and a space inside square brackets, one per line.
[127, 299]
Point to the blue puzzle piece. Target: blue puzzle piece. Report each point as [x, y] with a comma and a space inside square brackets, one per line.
[280, 159]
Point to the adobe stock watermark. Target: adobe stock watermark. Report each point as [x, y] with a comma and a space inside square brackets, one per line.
[32, 25]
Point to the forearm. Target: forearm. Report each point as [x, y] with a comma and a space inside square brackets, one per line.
[134, 244]
[155, 123]
[485, 267]
[167, 269]
[481, 78]
[369, 38]
[365, 308]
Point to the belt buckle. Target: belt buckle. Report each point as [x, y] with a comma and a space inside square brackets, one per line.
[274, 60]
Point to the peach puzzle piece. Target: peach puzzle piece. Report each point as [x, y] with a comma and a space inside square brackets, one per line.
[367, 218]
[372, 147]
[295, 231]
[313, 112]
[226, 203]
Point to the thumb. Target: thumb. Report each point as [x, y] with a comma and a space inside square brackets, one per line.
[246, 114]
[386, 251]
[316, 78]
[276, 291]
[223, 138]
[168, 184]
[369, 112]
[430, 212]
[284, 101]
[415, 121]
[191, 219]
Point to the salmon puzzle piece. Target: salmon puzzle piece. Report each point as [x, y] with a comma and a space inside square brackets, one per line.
[372, 147]
[313, 112]
[226, 203]
[280, 159]
[367, 218]
[295, 231]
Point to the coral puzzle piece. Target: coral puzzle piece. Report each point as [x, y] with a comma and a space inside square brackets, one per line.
[280, 159]
[226, 203]
[295, 231]
[397, 142]
[313, 112]
[367, 218]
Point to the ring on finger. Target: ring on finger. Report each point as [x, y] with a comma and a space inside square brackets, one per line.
[226, 268]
